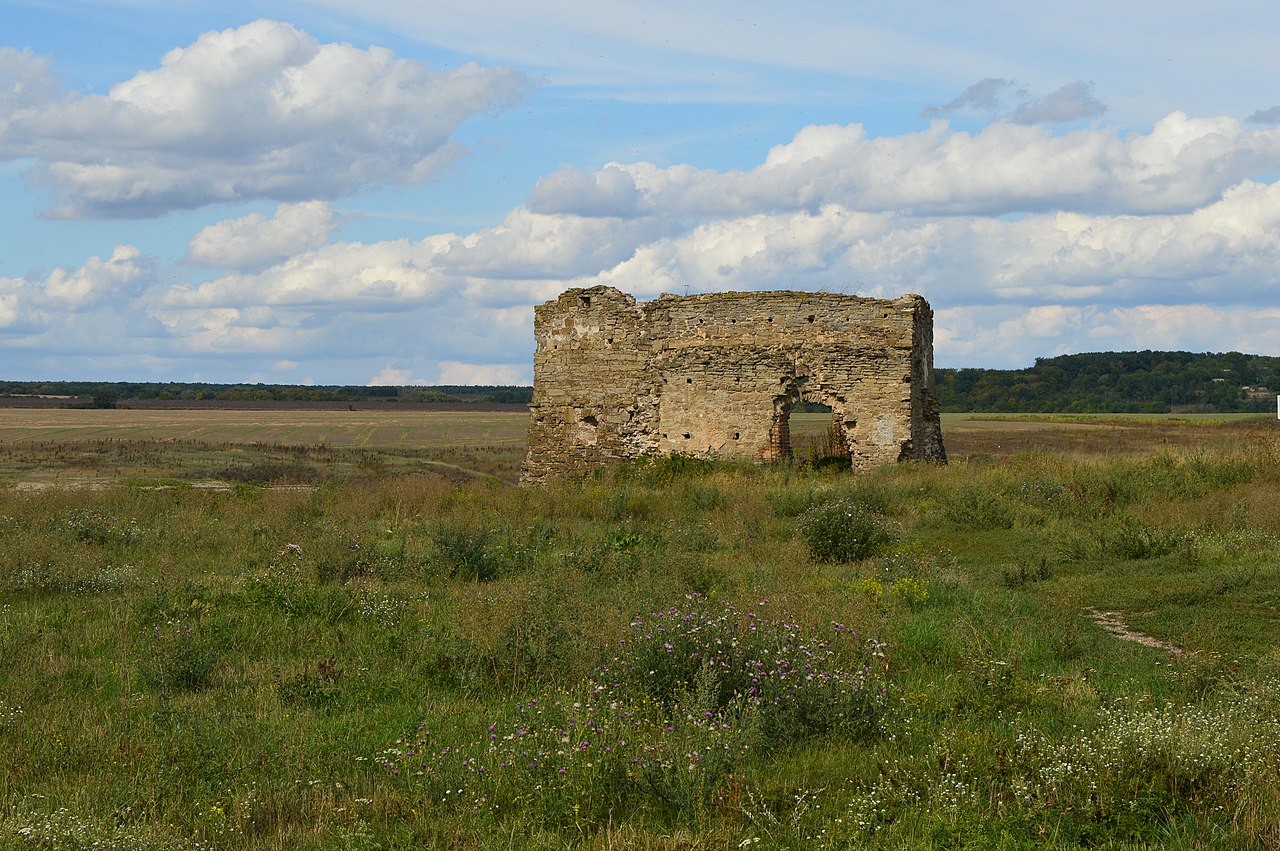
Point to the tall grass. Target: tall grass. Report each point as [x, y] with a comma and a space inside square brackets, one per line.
[404, 662]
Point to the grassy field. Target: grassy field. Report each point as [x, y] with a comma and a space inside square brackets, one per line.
[87, 446]
[365, 638]
[211, 447]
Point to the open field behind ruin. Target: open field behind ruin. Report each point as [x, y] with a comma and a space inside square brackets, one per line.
[315, 630]
[99, 446]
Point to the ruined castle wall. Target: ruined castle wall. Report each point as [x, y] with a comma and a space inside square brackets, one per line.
[717, 374]
[590, 385]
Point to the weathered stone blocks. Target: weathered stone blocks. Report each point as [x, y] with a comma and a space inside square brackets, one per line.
[716, 375]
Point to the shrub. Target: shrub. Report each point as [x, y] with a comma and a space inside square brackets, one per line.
[690, 692]
[180, 656]
[284, 586]
[845, 530]
[467, 553]
[1129, 539]
[1025, 574]
[792, 681]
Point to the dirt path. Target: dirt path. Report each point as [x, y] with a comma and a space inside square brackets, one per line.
[1112, 623]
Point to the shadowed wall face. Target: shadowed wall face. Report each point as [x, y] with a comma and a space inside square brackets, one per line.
[716, 375]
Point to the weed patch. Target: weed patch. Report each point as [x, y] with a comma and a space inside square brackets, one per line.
[845, 530]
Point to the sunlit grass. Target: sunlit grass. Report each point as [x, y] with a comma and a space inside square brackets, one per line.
[246, 668]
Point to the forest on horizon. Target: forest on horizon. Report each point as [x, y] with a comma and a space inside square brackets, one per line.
[1099, 382]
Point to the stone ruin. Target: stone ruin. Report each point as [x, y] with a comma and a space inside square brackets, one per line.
[717, 375]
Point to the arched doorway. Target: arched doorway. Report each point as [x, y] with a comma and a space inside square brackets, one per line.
[812, 440]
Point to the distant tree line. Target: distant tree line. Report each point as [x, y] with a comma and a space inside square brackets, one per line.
[109, 393]
[1118, 382]
[1101, 382]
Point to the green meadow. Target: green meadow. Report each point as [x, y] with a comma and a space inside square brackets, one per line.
[316, 630]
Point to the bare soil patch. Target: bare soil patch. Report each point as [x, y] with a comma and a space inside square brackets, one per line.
[1114, 624]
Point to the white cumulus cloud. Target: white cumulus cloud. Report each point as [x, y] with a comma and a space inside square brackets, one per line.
[254, 242]
[377, 276]
[260, 111]
[123, 274]
[1182, 163]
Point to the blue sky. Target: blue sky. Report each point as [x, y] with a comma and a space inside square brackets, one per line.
[336, 192]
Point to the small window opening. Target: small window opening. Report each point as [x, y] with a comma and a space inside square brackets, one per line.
[688, 381]
[811, 317]
[685, 435]
[737, 435]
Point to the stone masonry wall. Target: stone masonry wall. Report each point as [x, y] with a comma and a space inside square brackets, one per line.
[717, 375]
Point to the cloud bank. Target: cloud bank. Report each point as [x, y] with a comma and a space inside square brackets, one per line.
[1005, 168]
[1169, 246]
[1006, 289]
[1036, 234]
[260, 111]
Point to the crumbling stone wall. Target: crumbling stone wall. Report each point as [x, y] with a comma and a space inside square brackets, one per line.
[717, 375]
